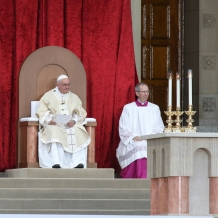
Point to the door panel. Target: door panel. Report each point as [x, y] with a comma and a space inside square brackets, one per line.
[161, 42]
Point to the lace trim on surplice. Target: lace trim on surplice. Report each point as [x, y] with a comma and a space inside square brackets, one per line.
[132, 152]
[127, 135]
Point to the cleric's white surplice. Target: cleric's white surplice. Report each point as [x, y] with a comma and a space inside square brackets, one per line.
[59, 144]
[137, 121]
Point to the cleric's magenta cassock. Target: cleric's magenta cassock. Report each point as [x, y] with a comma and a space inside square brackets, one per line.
[136, 120]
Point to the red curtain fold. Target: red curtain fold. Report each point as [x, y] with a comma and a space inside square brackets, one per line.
[98, 32]
[73, 26]
[7, 60]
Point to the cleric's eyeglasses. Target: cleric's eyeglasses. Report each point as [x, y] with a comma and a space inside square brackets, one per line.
[144, 92]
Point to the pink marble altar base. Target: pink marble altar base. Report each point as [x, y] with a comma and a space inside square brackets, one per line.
[213, 195]
[170, 195]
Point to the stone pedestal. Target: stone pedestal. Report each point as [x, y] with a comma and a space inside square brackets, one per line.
[183, 168]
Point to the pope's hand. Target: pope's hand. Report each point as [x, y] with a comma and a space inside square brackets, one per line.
[71, 123]
[52, 122]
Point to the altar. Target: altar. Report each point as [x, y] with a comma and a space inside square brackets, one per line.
[183, 168]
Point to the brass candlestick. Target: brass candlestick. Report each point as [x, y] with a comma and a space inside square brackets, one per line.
[178, 114]
[190, 113]
[169, 113]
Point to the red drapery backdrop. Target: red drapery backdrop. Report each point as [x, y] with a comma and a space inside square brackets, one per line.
[98, 32]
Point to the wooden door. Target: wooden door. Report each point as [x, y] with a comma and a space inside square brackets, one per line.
[161, 41]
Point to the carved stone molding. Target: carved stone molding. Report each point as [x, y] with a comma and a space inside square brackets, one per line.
[209, 20]
[209, 104]
[209, 62]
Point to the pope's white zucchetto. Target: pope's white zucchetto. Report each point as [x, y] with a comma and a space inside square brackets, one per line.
[62, 77]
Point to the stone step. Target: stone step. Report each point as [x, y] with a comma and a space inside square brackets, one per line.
[74, 183]
[78, 193]
[75, 204]
[72, 191]
[60, 173]
[95, 212]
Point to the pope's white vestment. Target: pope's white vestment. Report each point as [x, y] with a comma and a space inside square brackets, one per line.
[59, 144]
[137, 121]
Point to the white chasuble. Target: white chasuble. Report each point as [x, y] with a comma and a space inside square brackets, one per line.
[71, 140]
[137, 121]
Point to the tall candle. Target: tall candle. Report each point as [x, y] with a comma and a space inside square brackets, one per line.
[190, 86]
[170, 77]
[178, 77]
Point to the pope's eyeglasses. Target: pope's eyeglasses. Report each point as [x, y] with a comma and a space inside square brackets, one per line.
[66, 85]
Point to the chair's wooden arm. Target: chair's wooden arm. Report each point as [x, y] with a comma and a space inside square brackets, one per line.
[91, 124]
[27, 150]
[90, 128]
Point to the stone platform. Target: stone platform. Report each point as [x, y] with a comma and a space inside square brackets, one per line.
[60, 173]
[72, 191]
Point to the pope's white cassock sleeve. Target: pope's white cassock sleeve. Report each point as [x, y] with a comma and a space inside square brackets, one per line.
[137, 121]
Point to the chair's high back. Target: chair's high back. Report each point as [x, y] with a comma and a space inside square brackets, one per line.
[39, 73]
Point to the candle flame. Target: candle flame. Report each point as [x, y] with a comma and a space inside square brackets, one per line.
[189, 73]
[178, 75]
[169, 74]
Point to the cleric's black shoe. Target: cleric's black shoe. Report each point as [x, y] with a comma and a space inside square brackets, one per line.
[80, 166]
[56, 166]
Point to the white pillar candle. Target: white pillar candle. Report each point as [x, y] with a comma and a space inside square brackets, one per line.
[178, 77]
[190, 87]
[170, 77]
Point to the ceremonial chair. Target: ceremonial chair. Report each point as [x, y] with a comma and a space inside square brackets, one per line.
[38, 75]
